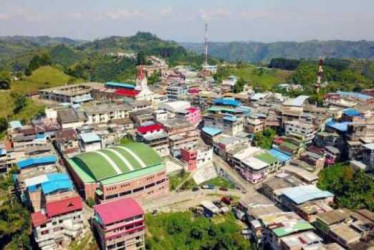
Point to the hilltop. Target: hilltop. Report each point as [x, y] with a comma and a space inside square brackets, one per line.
[256, 52]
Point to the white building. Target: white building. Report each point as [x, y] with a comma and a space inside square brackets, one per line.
[305, 129]
[104, 113]
[90, 142]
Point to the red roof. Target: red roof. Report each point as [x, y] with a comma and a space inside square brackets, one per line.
[64, 206]
[118, 210]
[150, 128]
[192, 109]
[193, 91]
[127, 92]
[38, 218]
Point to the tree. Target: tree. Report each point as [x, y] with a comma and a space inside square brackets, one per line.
[20, 103]
[38, 61]
[265, 138]
[239, 85]
[154, 78]
[3, 124]
[5, 79]
[140, 58]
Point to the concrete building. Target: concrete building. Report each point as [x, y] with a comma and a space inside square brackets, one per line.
[130, 170]
[182, 134]
[228, 124]
[155, 136]
[305, 129]
[251, 168]
[58, 223]
[89, 142]
[119, 225]
[106, 112]
[78, 93]
[176, 92]
[197, 158]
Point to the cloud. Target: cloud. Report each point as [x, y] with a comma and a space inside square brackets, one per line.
[208, 15]
[28, 15]
[76, 15]
[123, 14]
[166, 11]
[4, 17]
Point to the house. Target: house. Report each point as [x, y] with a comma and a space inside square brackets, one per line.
[305, 129]
[120, 224]
[77, 93]
[71, 118]
[106, 112]
[66, 140]
[228, 124]
[210, 134]
[89, 142]
[176, 92]
[58, 224]
[155, 136]
[196, 158]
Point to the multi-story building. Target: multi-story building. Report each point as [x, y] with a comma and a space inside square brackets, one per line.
[252, 169]
[191, 114]
[182, 134]
[307, 130]
[129, 170]
[106, 112]
[120, 225]
[66, 141]
[89, 142]
[196, 158]
[228, 124]
[78, 93]
[58, 223]
[155, 136]
[176, 92]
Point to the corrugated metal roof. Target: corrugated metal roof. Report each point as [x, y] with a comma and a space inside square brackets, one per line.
[120, 84]
[355, 95]
[227, 102]
[15, 124]
[37, 161]
[211, 131]
[303, 194]
[298, 101]
[90, 137]
[114, 211]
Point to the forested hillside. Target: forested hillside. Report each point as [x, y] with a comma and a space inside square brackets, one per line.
[263, 52]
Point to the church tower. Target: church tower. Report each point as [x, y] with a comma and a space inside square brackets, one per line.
[141, 80]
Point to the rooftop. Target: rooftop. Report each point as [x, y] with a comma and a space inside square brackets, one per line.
[29, 162]
[119, 210]
[150, 128]
[90, 137]
[211, 131]
[15, 124]
[267, 157]
[334, 216]
[298, 101]
[116, 161]
[67, 205]
[286, 223]
[355, 95]
[226, 102]
[306, 193]
[346, 233]
[120, 85]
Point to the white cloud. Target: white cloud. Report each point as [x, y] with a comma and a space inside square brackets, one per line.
[166, 11]
[76, 15]
[208, 15]
[123, 14]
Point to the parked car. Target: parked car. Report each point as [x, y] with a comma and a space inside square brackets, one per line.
[194, 189]
[226, 200]
[223, 188]
[208, 186]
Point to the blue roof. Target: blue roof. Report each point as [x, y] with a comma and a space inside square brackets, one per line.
[231, 118]
[340, 126]
[282, 157]
[2, 151]
[226, 102]
[15, 124]
[211, 131]
[360, 96]
[351, 112]
[56, 181]
[120, 85]
[40, 136]
[306, 193]
[90, 137]
[37, 161]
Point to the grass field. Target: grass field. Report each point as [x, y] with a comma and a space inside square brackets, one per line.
[263, 78]
[44, 77]
[175, 180]
[220, 182]
[183, 231]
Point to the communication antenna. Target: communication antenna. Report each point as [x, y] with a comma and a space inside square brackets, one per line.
[206, 45]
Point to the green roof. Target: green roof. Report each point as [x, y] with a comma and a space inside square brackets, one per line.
[297, 227]
[115, 161]
[289, 145]
[266, 157]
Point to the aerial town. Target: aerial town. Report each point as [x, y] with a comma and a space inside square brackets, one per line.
[103, 155]
[119, 142]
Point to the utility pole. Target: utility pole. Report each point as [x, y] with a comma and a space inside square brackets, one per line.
[319, 75]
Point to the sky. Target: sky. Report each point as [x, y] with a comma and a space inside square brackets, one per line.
[183, 20]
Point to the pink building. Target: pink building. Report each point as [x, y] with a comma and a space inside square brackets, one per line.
[120, 224]
[192, 115]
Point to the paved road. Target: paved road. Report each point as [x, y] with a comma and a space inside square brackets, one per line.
[181, 201]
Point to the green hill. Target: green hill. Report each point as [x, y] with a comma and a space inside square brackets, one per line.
[263, 52]
[43, 77]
